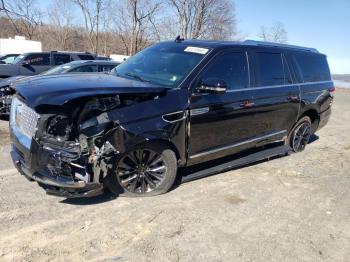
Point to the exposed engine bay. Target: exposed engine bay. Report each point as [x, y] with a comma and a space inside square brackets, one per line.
[76, 147]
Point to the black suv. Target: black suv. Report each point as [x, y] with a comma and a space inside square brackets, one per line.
[172, 105]
[29, 64]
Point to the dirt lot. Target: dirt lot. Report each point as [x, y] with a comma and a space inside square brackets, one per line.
[294, 208]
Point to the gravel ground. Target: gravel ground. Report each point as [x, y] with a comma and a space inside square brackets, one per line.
[294, 208]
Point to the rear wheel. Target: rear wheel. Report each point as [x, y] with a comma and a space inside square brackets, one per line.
[144, 171]
[300, 134]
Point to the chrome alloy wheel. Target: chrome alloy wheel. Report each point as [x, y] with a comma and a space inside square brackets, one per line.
[141, 171]
[301, 136]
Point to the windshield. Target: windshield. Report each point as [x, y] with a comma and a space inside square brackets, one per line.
[57, 70]
[162, 64]
[18, 59]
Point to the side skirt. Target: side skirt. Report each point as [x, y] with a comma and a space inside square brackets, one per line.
[194, 172]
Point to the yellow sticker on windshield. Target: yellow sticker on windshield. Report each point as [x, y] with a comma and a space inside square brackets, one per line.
[197, 50]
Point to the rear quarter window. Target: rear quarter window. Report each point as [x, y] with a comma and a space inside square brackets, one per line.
[313, 67]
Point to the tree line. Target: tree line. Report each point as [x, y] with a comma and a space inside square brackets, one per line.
[118, 26]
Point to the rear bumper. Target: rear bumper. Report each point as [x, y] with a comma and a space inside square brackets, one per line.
[324, 118]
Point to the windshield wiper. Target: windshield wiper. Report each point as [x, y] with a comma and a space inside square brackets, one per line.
[136, 77]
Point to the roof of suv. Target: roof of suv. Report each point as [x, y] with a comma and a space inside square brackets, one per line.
[216, 44]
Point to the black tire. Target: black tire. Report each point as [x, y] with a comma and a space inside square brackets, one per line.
[132, 178]
[299, 136]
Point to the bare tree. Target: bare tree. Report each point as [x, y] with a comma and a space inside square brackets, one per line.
[24, 15]
[61, 19]
[136, 19]
[92, 11]
[214, 19]
[277, 33]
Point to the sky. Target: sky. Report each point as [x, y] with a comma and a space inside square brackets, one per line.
[322, 24]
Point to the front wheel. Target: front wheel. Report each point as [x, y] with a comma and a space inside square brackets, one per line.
[144, 171]
[300, 134]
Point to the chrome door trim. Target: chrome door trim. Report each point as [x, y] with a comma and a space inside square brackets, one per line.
[199, 111]
[174, 113]
[237, 144]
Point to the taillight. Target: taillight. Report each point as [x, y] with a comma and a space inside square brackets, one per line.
[332, 89]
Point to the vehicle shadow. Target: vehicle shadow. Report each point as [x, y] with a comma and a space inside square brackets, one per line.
[313, 138]
[4, 117]
[94, 200]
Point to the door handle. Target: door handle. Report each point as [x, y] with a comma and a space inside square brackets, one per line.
[247, 104]
[293, 98]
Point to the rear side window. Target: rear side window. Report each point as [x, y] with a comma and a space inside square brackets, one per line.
[38, 59]
[86, 57]
[85, 69]
[61, 59]
[313, 67]
[270, 69]
[106, 68]
[231, 68]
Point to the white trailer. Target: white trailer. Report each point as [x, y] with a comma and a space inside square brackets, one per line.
[118, 58]
[18, 45]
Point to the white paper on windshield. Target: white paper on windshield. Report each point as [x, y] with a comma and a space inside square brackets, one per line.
[65, 67]
[197, 50]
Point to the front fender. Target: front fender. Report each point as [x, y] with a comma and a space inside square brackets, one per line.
[154, 130]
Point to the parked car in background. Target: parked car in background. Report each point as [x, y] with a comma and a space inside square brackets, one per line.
[8, 59]
[35, 63]
[106, 58]
[174, 104]
[79, 66]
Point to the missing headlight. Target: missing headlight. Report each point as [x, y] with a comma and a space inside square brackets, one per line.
[60, 127]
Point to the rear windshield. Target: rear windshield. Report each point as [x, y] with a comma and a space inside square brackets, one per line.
[314, 67]
[162, 64]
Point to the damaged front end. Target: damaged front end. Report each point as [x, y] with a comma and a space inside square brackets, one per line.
[71, 154]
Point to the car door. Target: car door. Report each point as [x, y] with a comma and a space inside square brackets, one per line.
[34, 64]
[221, 123]
[276, 98]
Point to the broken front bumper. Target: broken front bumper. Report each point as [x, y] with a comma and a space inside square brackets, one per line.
[33, 163]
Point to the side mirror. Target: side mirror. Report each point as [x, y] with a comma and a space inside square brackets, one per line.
[25, 63]
[212, 86]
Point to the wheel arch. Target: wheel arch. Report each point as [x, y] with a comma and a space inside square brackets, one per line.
[163, 142]
[314, 117]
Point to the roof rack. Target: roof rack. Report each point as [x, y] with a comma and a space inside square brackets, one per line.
[271, 44]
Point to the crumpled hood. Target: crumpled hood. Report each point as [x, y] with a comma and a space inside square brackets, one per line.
[59, 89]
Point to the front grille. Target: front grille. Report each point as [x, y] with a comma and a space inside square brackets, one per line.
[24, 118]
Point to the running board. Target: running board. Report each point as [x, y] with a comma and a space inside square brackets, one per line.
[263, 154]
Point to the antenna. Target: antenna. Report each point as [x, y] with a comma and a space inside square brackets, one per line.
[179, 39]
